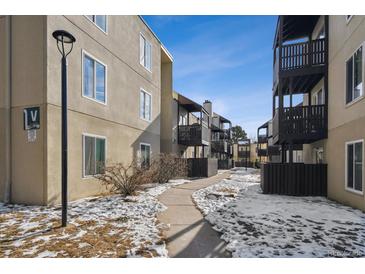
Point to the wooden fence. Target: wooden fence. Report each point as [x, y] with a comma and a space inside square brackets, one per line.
[243, 163]
[225, 164]
[202, 167]
[296, 179]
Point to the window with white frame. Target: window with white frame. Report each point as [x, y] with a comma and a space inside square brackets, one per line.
[145, 105]
[318, 97]
[94, 79]
[354, 166]
[145, 52]
[93, 155]
[145, 154]
[183, 119]
[99, 20]
[318, 155]
[354, 76]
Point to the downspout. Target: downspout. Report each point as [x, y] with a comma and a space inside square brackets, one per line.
[8, 104]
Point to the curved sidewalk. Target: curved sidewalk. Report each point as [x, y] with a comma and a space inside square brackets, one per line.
[190, 235]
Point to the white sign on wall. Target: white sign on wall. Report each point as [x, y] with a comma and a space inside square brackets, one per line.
[31, 135]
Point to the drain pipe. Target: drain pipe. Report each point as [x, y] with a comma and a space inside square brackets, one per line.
[8, 93]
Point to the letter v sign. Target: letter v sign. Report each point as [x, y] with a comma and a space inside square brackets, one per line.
[31, 118]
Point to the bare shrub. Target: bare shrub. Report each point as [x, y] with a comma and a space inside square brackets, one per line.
[124, 179]
[165, 167]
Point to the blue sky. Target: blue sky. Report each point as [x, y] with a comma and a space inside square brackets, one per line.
[226, 59]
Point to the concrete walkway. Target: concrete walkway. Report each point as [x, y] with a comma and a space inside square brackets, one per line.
[190, 236]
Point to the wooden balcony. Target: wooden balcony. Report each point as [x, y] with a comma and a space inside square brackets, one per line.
[299, 125]
[300, 59]
[243, 154]
[220, 146]
[262, 152]
[193, 135]
[273, 150]
[262, 139]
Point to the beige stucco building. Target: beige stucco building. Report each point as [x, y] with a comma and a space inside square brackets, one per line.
[346, 118]
[117, 71]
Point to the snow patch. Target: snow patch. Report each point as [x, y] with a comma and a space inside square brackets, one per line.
[258, 225]
[133, 217]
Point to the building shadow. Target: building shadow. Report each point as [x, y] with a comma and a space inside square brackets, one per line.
[206, 242]
[151, 136]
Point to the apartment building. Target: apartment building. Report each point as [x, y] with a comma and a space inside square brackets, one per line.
[262, 148]
[194, 132]
[244, 153]
[117, 71]
[344, 148]
[221, 144]
[185, 129]
[321, 59]
[268, 152]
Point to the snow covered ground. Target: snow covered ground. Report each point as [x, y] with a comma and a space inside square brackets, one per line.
[107, 226]
[258, 225]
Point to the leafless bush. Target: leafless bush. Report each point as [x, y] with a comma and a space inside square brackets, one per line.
[165, 167]
[124, 179]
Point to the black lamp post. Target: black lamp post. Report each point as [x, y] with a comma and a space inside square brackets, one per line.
[63, 37]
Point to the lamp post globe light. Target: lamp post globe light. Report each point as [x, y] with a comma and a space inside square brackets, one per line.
[65, 41]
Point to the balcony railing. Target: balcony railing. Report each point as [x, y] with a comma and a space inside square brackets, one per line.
[219, 146]
[216, 123]
[299, 56]
[304, 54]
[273, 150]
[262, 152]
[261, 139]
[243, 154]
[193, 135]
[302, 123]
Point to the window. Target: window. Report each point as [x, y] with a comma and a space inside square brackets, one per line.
[354, 166]
[183, 119]
[321, 34]
[354, 81]
[145, 52]
[145, 155]
[98, 20]
[93, 155]
[145, 105]
[297, 156]
[318, 98]
[94, 79]
[318, 155]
